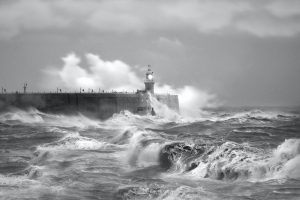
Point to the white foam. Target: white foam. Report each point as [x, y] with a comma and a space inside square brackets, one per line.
[286, 159]
[22, 187]
[20, 181]
[34, 116]
[74, 142]
[254, 114]
[126, 119]
[140, 152]
[163, 111]
[185, 192]
[149, 155]
[30, 116]
[233, 161]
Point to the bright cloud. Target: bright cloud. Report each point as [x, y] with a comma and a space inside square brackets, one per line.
[108, 75]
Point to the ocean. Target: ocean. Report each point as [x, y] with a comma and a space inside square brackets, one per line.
[223, 153]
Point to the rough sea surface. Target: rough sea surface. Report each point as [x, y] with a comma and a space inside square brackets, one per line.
[244, 153]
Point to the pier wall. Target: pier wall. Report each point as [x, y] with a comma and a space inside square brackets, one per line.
[99, 105]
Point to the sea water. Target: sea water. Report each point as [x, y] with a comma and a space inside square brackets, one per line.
[228, 153]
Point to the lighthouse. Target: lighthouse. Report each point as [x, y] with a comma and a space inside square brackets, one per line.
[149, 81]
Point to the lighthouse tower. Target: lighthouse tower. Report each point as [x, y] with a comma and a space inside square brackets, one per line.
[149, 81]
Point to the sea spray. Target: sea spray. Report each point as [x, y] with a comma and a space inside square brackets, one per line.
[163, 111]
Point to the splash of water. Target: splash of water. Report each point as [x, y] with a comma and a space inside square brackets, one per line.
[163, 111]
[117, 75]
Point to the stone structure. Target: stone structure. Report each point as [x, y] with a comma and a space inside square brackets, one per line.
[101, 105]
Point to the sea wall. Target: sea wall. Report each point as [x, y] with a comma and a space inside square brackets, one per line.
[99, 105]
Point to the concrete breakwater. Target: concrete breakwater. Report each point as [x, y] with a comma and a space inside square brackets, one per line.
[99, 105]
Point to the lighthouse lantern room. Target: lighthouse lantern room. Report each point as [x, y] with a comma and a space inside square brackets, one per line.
[149, 81]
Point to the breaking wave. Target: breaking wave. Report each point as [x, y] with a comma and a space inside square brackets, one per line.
[216, 160]
[232, 161]
[34, 116]
[252, 116]
[74, 141]
[143, 149]
[22, 116]
[226, 161]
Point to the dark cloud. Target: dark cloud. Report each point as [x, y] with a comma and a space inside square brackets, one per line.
[245, 51]
[140, 16]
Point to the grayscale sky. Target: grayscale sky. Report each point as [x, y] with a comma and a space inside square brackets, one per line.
[246, 52]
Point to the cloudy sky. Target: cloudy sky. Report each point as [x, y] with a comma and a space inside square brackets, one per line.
[246, 52]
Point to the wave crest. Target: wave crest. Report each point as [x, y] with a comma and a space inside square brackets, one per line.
[231, 161]
[253, 116]
[74, 142]
[34, 116]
